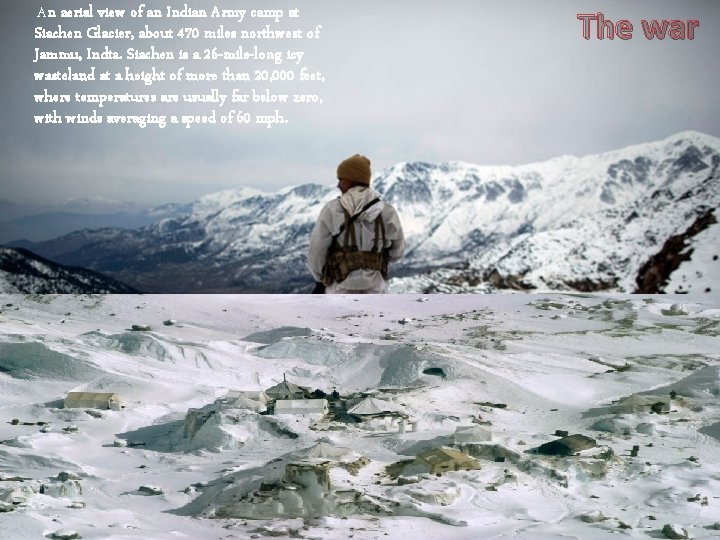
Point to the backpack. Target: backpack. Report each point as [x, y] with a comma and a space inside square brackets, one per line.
[343, 259]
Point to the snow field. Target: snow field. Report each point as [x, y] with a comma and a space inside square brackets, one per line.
[530, 365]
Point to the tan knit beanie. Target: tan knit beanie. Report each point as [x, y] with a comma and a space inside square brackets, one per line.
[356, 169]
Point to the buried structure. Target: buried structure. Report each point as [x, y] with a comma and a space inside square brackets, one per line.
[304, 483]
[93, 400]
[229, 422]
[567, 446]
[434, 461]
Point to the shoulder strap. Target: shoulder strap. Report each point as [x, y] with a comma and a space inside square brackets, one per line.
[350, 241]
[379, 233]
[351, 219]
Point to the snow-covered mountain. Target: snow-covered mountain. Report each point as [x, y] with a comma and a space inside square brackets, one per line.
[618, 221]
[24, 272]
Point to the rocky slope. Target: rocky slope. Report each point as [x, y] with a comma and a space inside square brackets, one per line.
[24, 272]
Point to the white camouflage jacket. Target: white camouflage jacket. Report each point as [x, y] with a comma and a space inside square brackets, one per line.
[332, 218]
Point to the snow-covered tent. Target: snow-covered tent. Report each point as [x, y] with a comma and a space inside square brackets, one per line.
[93, 400]
[323, 450]
[301, 406]
[376, 414]
[287, 390]
[465, 434]
[444, 459]
[371, 406]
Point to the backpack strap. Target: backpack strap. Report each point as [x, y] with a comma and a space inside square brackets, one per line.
[379, 232]
[342, 260]
[351, 219]
[350, 240]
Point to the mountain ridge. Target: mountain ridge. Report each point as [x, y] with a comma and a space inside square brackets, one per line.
[454, 214]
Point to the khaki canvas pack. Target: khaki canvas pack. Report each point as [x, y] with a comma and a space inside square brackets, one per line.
[343, 259]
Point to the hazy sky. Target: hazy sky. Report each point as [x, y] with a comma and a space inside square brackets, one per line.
[486, 82]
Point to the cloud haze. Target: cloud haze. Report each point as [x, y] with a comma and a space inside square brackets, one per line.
[486, 82]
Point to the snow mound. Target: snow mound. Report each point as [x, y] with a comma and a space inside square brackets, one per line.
[407, 365]
[220, 426]
[711, 431]
[24, 463]
[33, 360]
[312, 352]
[703, 383]
[128, 388]
[229, 429]
[144, 344]
[309, 482]
[276, 334]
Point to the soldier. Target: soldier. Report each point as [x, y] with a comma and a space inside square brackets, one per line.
[356, 235]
